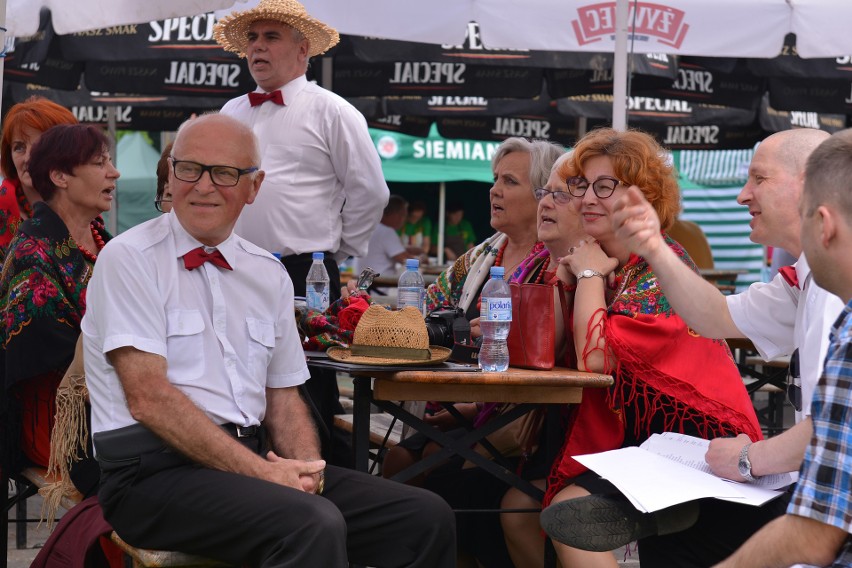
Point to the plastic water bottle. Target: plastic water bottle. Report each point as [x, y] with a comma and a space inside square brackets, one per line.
[410, 288]
[495, 319]
[317, 284]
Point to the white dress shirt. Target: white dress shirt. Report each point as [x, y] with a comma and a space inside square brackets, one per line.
[227, 335]
[324, 189]
[778, 318]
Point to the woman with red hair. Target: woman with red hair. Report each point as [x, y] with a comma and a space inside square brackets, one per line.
[666, 376]
[22, 126]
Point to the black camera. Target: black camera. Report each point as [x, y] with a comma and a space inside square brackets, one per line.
[447, 326]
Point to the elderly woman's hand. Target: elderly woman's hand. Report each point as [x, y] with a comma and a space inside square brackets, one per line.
[588, 255]
[475, 329]
[349, 289]
[444, 421]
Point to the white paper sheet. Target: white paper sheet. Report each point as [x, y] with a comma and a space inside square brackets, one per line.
[670, 469]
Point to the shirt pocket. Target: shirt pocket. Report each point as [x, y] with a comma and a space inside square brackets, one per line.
[281, 163]
[185, 344]
[261, 343]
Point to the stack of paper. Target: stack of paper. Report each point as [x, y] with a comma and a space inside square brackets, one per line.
[669, 469]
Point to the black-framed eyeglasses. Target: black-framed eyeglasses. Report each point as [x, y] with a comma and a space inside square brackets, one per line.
[794, 382]
[603, 187]
[225, 176]
[158, 203]
[559, 197]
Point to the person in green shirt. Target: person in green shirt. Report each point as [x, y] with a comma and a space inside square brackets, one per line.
[458, 233]
[417, 231]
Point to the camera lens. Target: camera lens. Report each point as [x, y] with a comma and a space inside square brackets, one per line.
[439, 332]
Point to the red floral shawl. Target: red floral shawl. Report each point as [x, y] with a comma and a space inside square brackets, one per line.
[665, 375]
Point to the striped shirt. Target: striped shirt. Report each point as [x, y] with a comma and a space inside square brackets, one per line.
[824, 489]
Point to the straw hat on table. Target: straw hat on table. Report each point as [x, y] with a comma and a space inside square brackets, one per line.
[231, 32]
[384, 337]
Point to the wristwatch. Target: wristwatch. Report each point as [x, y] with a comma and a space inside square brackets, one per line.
[744, 465]
[589, 273]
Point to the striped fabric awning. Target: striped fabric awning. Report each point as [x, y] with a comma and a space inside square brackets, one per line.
[714, 168]
[710, 181]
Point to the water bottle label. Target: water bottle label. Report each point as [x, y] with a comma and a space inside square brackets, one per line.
[496, 309]
[408, 297]
[317, 299]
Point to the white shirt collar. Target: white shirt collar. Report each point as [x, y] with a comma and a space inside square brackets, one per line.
[184, 242]
[289, 90]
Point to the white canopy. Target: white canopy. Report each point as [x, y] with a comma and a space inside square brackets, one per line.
[70, 16]
[717, 28]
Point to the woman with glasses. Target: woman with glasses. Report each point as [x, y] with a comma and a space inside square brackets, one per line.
[22, 126]
[667, 378]
[519, 165]
[43, 285]
[558, 227]
[163, 201]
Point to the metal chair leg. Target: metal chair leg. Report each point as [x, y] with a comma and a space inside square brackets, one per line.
[20, 517]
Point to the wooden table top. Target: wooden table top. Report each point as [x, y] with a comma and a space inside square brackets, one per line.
[558, 376]
[741, 343]
[558, 385]
[720, 273]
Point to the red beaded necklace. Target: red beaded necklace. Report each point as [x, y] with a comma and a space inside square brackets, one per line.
[23, 203]
[498, 261]
[99, 244]
[542, 272]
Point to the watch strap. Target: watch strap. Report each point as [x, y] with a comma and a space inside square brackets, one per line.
[744, 464]
[589, 273]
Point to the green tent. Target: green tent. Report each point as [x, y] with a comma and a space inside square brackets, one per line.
[137, 186]
[433, 159]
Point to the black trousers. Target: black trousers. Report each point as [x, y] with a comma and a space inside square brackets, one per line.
[168, 503]
[722, 527]
[322, 387]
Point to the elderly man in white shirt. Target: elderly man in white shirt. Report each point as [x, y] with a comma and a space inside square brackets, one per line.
[192, 359]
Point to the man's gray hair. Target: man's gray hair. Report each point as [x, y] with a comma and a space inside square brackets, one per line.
[542, 155]
[243, 131]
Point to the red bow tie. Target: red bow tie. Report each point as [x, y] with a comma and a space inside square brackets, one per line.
[260, 98]
[790, 276]
[196, 257]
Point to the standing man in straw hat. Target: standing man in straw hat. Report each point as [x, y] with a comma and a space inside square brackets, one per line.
[193, 363]
[324, 188]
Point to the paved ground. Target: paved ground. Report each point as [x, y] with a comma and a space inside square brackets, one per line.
[35, 538]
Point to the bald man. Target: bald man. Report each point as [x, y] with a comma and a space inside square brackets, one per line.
[789, 313]
[817, 529]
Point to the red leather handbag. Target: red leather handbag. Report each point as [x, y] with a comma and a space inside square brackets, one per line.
[531, 335]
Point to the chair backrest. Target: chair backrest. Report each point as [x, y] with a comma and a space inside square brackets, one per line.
[692, 238]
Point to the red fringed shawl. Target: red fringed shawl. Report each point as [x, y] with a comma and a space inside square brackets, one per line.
[665, 374]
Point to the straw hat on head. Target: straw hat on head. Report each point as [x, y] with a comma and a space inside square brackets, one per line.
[232, 30]
[385, 337]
